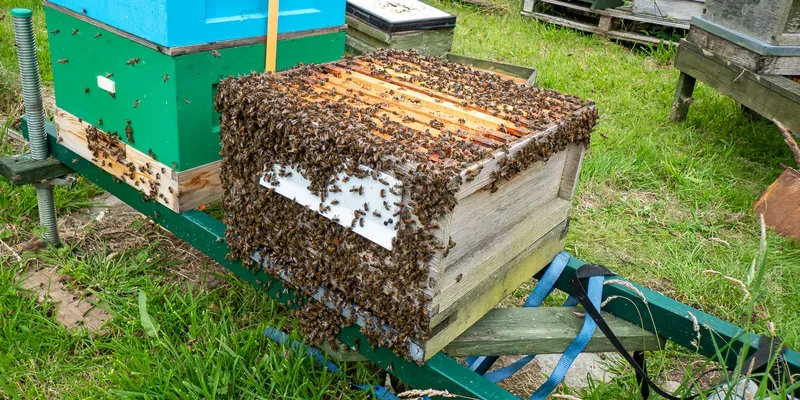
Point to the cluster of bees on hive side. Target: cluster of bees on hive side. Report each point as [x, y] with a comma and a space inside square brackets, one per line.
[107, 149]
[318, 323]
[298, 119]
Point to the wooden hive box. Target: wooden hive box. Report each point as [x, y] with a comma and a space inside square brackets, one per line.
[479, 189]
[402, 25]
[774, 22]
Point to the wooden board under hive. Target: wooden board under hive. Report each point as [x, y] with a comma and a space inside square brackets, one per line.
[483, 168]
[177, 190]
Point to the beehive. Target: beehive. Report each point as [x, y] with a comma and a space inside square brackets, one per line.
[401, 25]
[774, 22]
[158, 99]
[407, 193]
[175, 23]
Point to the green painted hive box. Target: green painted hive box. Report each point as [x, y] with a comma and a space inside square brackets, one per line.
[157, 99]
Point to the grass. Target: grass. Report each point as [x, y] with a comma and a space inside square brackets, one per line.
[659, 203]
[10, 95]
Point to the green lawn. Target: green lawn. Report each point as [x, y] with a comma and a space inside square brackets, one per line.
[658, 203]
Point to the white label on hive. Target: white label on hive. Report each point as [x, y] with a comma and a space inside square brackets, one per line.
[397, 11]
[378, 223]
[106, 84]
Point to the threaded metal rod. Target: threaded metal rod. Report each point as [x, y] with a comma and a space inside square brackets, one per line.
[34, 113]
[47, 213]
[31, 90]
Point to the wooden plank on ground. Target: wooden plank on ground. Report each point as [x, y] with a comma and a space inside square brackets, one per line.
[543, 330]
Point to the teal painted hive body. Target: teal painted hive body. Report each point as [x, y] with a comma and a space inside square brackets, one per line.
[173, 23]
[168, 99]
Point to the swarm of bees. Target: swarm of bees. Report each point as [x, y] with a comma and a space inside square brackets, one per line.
[108, 151]
[299, 119]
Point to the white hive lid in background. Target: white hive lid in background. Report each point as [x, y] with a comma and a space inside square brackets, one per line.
[400, 15]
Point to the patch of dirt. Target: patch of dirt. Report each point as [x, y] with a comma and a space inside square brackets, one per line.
[117, 227]
[72, 310]
[706, 376]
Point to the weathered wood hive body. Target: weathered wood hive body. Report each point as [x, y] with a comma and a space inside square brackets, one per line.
[775, 22]
[428, 190]
[761, 36]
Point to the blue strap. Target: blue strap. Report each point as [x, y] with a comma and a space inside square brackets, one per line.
[545, 286]
[380, 392]
[278, 336]
[595, 292]
[506, 372]
[314, 354]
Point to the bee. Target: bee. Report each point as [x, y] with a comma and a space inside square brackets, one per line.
[376, 213]
[335, 202]
[346, 179]
[98, 36]
[63, 61]
[186, 101]
[74, 32]
[136, 104]
[55, 32]
[133, 61]
[83, 10]
[366, 207]
[152, 155]
[174, 165]
[113, 95]
[100, 122]
[361, 222]
[383, 181]
[129, 134]
[166, 78]
[86, 90]
[216, 54]
[459, 277]
[383, 193]
[163, 170]
[109, 75]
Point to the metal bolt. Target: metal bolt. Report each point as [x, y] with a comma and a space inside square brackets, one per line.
[34, 113]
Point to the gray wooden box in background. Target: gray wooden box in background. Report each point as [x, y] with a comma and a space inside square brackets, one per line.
[675, 10]
[775, 22]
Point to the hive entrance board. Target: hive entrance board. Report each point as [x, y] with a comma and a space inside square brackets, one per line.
[488, 167]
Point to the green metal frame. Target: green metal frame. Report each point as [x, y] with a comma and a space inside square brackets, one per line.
[659, 314]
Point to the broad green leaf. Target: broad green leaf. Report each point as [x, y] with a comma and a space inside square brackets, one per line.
[149, 325]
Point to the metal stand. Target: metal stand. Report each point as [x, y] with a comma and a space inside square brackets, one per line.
[34, 113]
